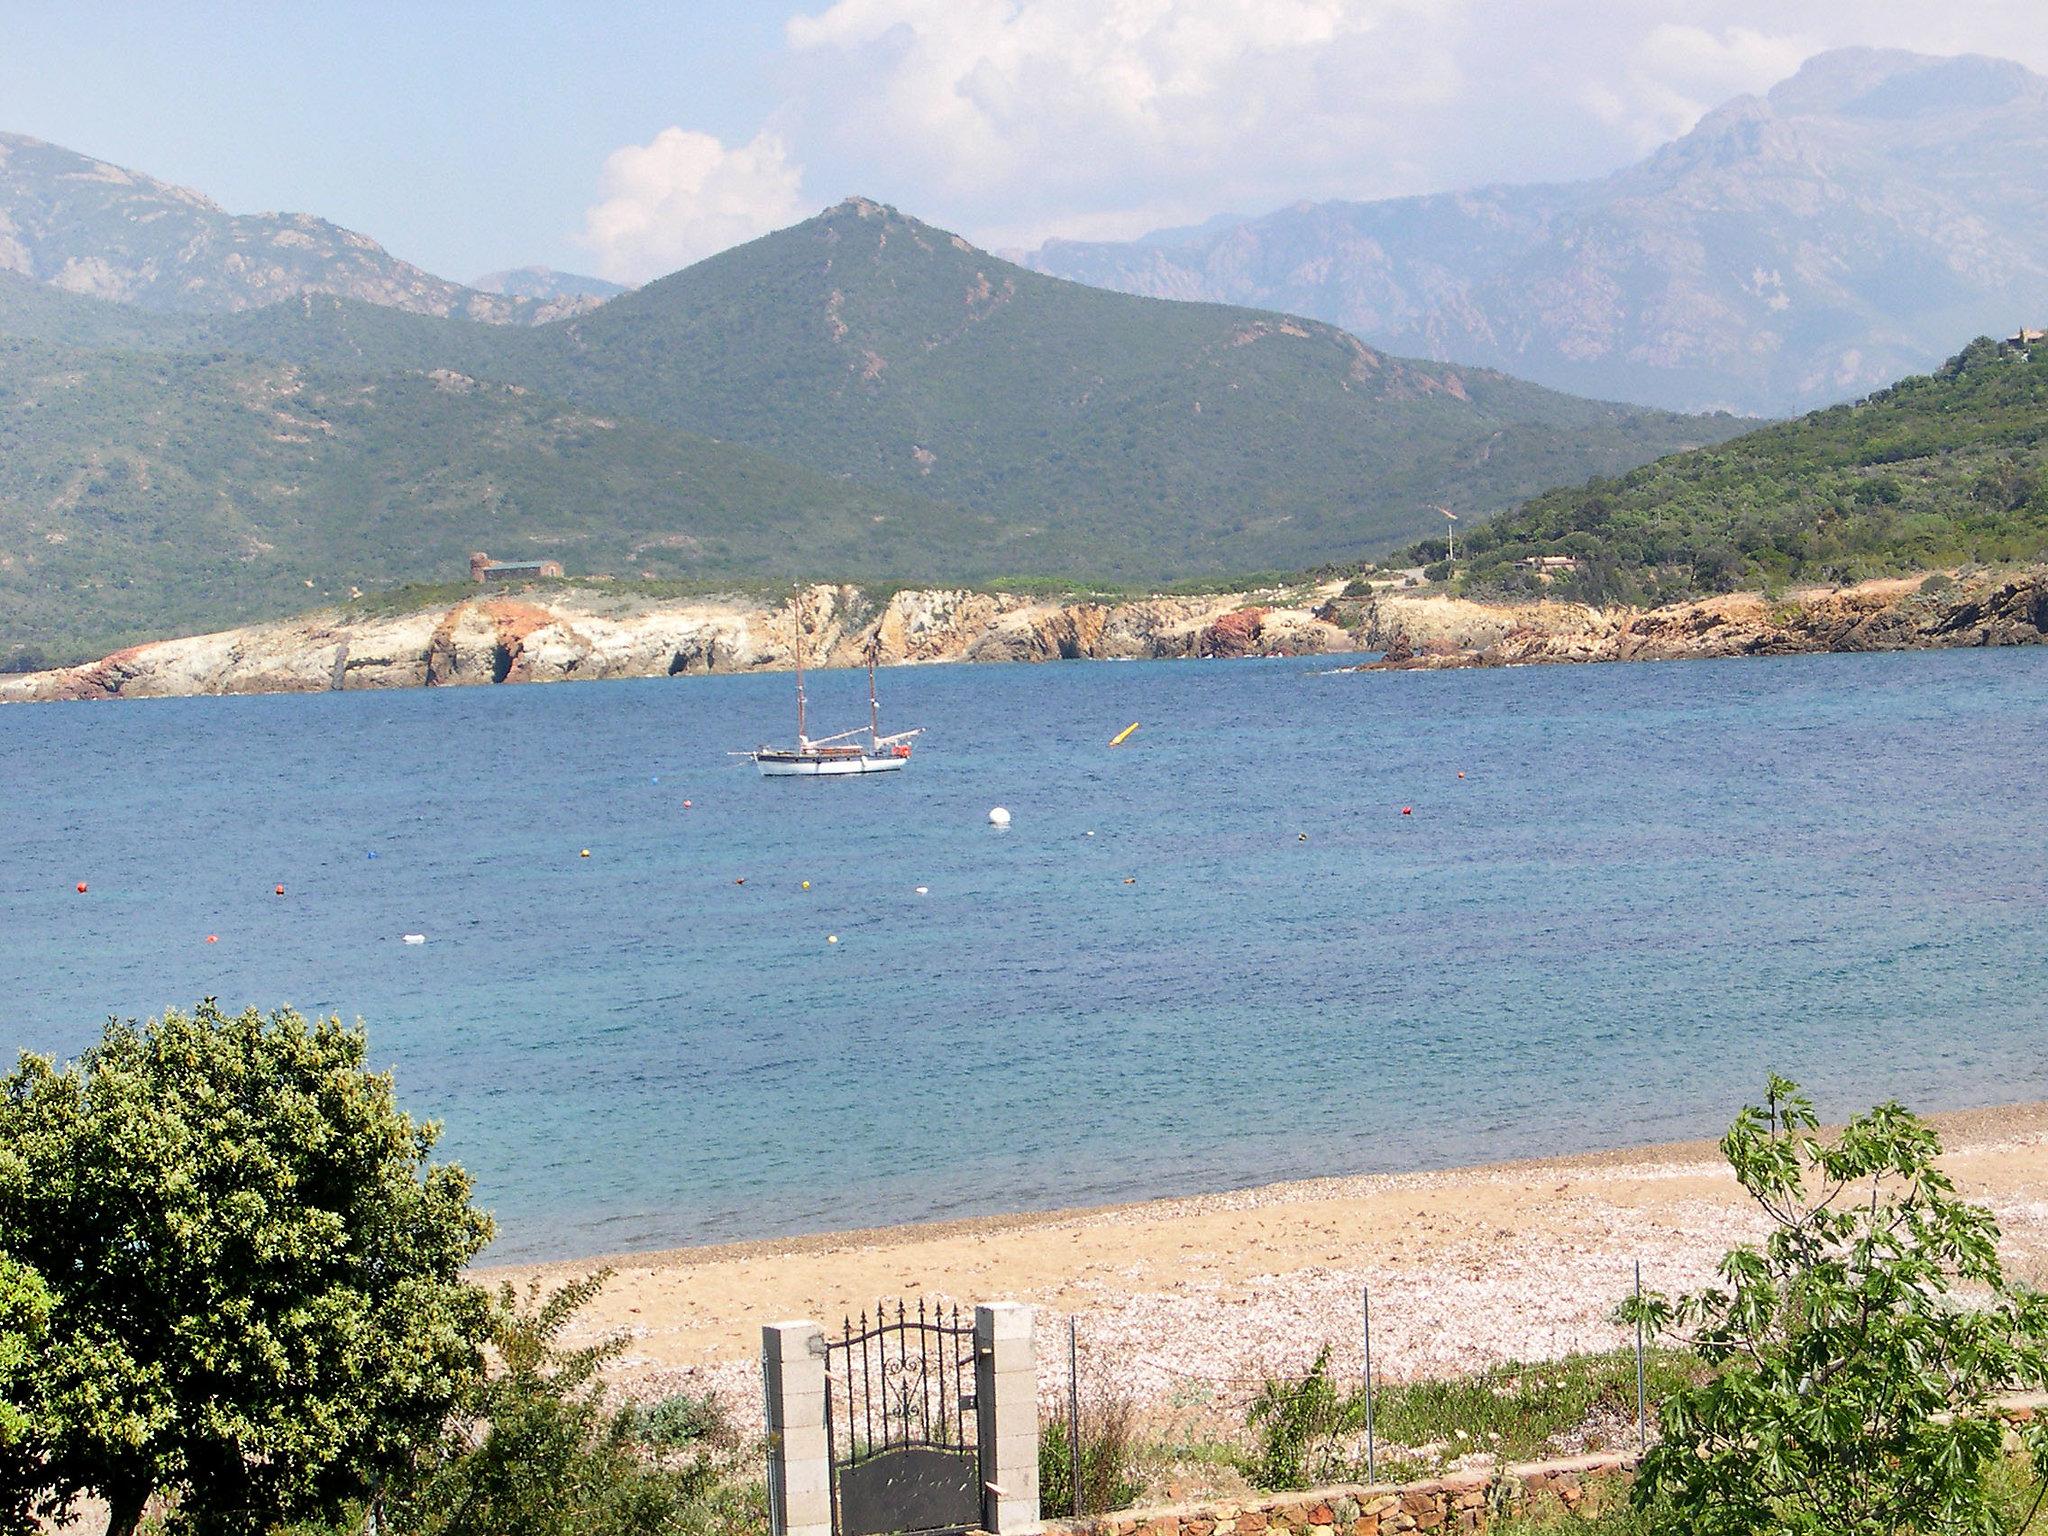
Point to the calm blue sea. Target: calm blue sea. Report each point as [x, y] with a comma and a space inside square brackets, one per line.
[1653, 884]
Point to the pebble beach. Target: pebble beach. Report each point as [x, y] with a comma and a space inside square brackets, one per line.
[1185, 1304]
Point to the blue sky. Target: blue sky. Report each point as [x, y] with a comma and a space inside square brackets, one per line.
[629, 138]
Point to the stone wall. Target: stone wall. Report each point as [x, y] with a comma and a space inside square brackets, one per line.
[1458, 1501]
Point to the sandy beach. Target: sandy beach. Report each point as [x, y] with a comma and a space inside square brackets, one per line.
[1185, 1303]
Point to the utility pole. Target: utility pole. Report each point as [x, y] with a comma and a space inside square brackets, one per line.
[1451, 533]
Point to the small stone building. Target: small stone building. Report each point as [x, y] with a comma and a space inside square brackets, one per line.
[483, 569]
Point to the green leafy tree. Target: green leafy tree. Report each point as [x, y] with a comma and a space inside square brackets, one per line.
[535, 1451]
[259, 1310]
[1858, 1356]
[25, 1304]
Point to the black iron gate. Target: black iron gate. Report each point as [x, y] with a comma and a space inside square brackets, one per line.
[900, 1420]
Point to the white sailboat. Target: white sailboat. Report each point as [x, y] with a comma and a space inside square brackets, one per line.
[840, 754]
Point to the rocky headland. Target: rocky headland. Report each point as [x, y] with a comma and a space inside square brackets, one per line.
[548, 635]
[1940, 611]
[553, 635]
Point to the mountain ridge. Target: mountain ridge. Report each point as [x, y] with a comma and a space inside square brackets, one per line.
[861, 396]
[1794, 248]
[90, 227]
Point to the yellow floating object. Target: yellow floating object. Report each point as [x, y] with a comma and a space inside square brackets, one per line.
[807, 885]
[585, 854]
[1124, 735]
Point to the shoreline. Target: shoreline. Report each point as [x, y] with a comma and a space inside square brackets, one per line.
[518, 636]
[1182, 1301]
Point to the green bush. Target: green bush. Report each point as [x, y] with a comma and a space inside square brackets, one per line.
[535, 1451]
[1856, 1359]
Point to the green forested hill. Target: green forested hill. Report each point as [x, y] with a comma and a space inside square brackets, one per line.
[151, 494]
[861, 395]
[1937, 470]
[1111, 437]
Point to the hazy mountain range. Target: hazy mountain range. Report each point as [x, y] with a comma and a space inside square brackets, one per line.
[106, 232]
[861, 395]
[546, 285]
[1858, 222]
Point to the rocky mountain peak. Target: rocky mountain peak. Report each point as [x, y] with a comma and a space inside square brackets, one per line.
[90, 227]
[1858, 221]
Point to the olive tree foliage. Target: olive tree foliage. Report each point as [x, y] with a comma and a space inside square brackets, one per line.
[1858, 1355]
[258, 1309]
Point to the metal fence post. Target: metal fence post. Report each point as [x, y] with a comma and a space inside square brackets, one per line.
[1371, 1459]
[1074, 1413]
[1642, 1413]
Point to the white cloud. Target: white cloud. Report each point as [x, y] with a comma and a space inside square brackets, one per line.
[1029, 110]
[683, 196]
[1013, 120]
[1677, 72]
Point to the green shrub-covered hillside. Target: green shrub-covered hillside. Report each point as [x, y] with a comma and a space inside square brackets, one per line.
[1934, 471]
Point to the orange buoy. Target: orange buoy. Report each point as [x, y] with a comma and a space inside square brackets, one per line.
[280, 890]
[1461, 773]
[213, 938]
[81, 887]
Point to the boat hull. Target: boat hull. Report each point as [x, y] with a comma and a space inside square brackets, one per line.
[794, 767]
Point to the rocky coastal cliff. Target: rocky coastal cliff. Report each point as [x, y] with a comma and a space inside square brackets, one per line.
[548, 636]
[553, 636]
[1911, 613]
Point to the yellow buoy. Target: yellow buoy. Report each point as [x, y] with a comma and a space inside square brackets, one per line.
[584, 854]
[807, 885]
[1124, 735]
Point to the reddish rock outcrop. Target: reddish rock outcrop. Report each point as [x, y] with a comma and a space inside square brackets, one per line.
[1235, 634]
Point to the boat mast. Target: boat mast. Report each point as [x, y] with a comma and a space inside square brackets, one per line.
[799, 607]
[874, 709]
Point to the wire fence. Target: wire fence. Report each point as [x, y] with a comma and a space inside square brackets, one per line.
[1330, 1414]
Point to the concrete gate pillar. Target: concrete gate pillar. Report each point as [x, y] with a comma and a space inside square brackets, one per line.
[1006, 1408]
[799, 1454]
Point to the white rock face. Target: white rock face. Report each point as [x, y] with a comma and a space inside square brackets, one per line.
[504, 639]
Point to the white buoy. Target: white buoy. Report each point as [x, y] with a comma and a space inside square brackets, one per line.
[831, 938]
[924, 890]
[415, 938]
[999, 817]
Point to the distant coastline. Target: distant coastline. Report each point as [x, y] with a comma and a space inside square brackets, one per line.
[558, 634]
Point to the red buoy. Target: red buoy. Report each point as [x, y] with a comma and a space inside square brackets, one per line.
[1407, 810]
[213, 938]
[1461, 773]
[686, 805]
[81, 887]
[280, 890]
